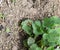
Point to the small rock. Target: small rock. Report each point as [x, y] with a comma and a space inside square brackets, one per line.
[14, 48]
[1, 27]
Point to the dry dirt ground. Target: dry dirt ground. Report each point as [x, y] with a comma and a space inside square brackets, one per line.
[18, 9]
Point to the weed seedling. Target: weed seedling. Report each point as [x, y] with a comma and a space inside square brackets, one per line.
[48, 29]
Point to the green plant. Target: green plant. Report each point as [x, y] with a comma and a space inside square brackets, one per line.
[13, 1]
[48, 28]
[7, 30]
[2, 16]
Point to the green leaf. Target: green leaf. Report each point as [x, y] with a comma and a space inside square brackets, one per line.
[58, 41]
[45, 40]
[1, 15]
[38, 48]
[13, 1]
[33, 47]
[50, 22]
[55, 19]
[50, 48]
[7, 30]
[38, 23]
[30, 41]
[37, 30]
[45, 36]
[52, 38]
[26, 26]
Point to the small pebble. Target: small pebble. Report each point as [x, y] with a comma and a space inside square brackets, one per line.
[14, 48]
[1, 27]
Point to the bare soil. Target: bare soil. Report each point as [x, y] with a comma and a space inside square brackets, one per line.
[15, 11]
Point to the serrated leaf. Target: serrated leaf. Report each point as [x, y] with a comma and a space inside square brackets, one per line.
[58, 41]
[52, 37]
[45, 36]
[55, 19]
[38, 23]
[45, 41]
[33, 47]
[30, 41]
[26, 26]
[37, 30]
[50, 22]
